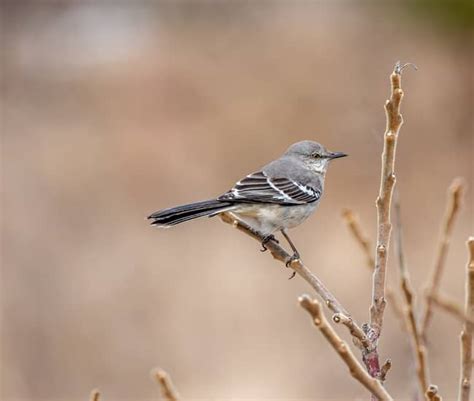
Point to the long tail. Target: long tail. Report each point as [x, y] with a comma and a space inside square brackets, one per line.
[179, 214]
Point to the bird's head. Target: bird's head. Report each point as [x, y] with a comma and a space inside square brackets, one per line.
[314, 155]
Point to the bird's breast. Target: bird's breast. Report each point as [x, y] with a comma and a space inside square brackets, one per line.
[295, 215]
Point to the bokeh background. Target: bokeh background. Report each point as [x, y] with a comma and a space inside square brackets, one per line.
[112, 110]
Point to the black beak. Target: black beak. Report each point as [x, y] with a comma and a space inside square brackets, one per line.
[336, 155]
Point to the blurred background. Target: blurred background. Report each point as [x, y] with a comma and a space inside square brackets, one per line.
[112, 110]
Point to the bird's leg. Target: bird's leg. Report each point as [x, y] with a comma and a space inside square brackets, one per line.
[296, 254]
[266, 240]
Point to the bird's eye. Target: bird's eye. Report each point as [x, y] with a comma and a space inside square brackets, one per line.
[316, 155]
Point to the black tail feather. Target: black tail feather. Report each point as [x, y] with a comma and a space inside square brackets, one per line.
[179, 214]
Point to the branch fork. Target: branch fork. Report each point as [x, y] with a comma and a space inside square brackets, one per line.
[455, 194]
[365, 338]
[384, 199]
[340, 313]
[356, 370]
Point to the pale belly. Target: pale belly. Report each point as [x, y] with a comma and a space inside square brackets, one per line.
[268, 218]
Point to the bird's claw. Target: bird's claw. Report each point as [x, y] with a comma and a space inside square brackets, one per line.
[295, 256]
[266, 240]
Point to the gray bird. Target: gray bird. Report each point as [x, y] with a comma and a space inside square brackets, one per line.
[279, 196]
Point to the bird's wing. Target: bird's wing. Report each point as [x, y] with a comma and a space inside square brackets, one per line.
[258, 187]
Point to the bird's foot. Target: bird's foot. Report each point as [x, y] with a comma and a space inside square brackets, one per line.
[266, 240]
[295, 256]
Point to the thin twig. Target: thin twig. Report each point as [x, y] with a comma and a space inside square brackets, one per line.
[468, 330]
[361, 238]
[455, 193]
[357, 371]
[95, 395]
[419, 348]
[341, 315]
[168, 391]
[396, 306]
[354, 329]
[451, 306]
[384, 369]
[432, 394]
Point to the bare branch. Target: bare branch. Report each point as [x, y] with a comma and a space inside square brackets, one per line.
[419, 348]
[397, 308]
[451, 306]
[384, 199]
[297, 265]
[455, 193]
[361, 238]
[95, 395]
[357, 371]
[384, 226]
[168, 391]
[467, 332]
[432, 394]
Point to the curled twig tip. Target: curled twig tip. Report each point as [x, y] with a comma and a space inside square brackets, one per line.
[399, 67]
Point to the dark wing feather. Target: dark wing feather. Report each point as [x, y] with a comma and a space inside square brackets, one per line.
[257, 187]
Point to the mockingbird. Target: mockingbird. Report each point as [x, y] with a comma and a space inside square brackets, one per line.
[279, 196]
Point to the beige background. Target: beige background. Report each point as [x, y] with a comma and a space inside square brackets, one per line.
[112, 110]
